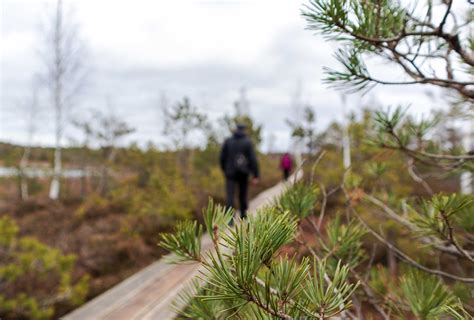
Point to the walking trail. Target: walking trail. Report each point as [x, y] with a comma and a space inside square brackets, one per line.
[149, 293]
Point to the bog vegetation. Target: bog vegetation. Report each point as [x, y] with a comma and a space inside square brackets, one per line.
[57, 254]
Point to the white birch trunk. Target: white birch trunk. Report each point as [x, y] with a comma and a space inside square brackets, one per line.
[55, 182]
[23, 176]
[346, 142]
[58, 78]
[31, 108]
[466, 177]
[346, 149]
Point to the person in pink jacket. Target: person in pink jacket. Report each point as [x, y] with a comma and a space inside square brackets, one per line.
[286, 164]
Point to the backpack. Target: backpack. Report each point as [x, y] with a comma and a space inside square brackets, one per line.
[241, 164]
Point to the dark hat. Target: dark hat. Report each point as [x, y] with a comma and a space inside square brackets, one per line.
[241, 126]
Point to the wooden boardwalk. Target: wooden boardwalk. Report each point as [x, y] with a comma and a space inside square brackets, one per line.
[149, 293]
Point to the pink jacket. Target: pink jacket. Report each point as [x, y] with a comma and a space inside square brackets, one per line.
[286, 162]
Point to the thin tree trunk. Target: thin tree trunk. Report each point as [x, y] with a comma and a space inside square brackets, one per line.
[186, 159]
[23, 178]
[58, 100]
[109, 159]
[104, 181]
[392, 259]
[83, 166]
[55, 183]
[31, 112]
[466, 179]
[83, 183]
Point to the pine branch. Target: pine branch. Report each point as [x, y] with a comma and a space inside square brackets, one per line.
[358, 25]
[452, 239]
[393, 215]
[407, 258]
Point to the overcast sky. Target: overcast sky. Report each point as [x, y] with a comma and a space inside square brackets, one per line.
[138, 50]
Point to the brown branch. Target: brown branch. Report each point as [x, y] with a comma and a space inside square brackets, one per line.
[416, 177]
[446, 14]
[388, 211]
[449, 67]
[274, 313]
[427, 158]
[400, 253]
[398, 56]
[370, 294]
[452, 239]
[446, 83]
[453, 40]
[455, 44]
[316, 162]
[407, 258]
[323, 205]
[393, 215]
[459, 86]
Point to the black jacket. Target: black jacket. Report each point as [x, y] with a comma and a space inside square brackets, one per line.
[234, 146]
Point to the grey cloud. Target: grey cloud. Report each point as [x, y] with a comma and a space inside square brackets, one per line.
[134, 86]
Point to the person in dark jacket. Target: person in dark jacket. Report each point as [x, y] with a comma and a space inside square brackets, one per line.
[238, 161]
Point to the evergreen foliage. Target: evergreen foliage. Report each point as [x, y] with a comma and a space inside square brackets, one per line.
[427, 297]
[26, 265]
[244, 274]
[299, 200]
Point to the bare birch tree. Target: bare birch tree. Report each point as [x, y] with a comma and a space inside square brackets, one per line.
[85, 126]
[62, 56]
[181, 120]
[108, 130]
[30, 109]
